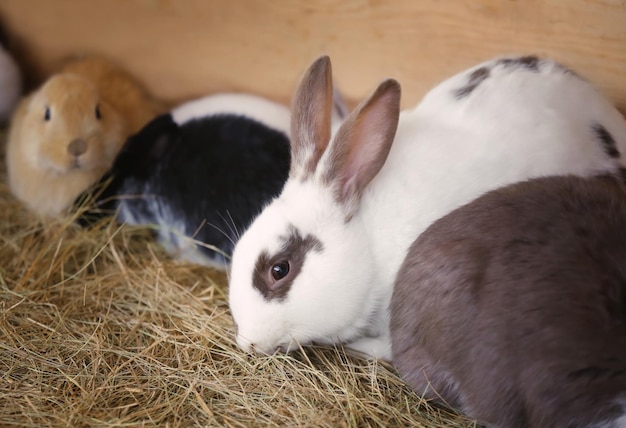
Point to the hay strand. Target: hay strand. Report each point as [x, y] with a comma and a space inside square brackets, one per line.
[101, 328]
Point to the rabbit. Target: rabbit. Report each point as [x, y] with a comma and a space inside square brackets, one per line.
[513, 307]
[317, 266]
[201, 173]
[10, 80]
[64, 136]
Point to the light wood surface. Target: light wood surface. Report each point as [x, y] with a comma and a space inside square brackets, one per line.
[186, 48]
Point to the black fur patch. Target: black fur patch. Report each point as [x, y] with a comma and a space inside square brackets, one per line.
[529, 62]
[608, 142]
[595, 372]
[476, 78]
[213, 174]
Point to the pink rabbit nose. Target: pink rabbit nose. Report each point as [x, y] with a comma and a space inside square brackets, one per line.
[77, 147]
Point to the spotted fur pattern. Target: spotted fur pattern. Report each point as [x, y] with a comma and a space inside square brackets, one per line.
[381, 179]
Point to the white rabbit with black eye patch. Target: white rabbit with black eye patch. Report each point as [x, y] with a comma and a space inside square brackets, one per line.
[319, 263]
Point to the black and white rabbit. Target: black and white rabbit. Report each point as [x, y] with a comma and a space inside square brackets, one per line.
[319, 263]
[513, 307]
[201, 173]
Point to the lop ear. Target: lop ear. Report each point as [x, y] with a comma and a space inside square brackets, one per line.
[311, 116]
[362, 143]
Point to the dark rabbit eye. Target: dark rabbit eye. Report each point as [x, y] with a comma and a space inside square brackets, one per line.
[98, 115]
[46, 115]
[280, 270]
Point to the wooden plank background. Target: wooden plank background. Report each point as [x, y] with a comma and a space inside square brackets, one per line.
[188, 48]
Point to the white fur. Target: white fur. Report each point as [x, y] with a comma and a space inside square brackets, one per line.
[296, 315]
[257, 108]
[615, 423]
[515, 125]
[619, 422]
[10, 84]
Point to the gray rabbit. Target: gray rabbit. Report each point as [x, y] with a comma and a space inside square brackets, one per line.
[513, 307]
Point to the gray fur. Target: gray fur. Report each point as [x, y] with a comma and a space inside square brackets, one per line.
[513, 307]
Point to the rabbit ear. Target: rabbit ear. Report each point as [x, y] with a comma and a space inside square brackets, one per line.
[311, 116]
[340, 108]
[362, 144]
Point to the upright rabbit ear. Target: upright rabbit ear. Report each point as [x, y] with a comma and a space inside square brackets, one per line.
[311, 117]
[362, 143]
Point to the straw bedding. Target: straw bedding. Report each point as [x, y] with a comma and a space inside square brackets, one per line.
[101, 328]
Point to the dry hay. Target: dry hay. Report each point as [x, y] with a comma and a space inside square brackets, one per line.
[101, 328]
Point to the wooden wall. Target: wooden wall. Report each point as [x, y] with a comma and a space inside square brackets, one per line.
[188, 48]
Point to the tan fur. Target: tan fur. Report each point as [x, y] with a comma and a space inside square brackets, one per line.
[42, 172]
[117, 87]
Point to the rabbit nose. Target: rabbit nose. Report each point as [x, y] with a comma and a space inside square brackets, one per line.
[77, 147]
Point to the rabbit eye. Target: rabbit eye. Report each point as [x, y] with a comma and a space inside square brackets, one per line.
[280, 270]
[98, 114]
[46, 114]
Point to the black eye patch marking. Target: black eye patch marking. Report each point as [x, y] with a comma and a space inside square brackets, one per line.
[288, 260]
[476, 78]
[608, 142]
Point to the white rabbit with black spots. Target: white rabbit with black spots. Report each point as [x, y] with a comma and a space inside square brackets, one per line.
[319, 263]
